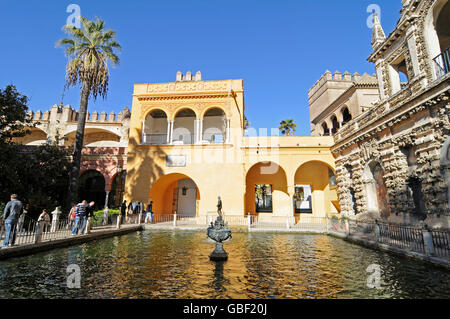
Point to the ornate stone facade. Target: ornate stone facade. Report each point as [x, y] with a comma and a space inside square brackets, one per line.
[405, 135]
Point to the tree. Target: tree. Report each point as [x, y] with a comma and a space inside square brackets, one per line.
[13, 110]
[38, 174]
[246, 123]
[89, 50]
[287, 127]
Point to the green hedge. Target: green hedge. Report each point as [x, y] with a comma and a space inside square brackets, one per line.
[98, 216]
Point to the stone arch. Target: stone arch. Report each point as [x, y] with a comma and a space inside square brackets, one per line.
[266, 173]
[182, 108]
[445, 166]
[155, 127]
[314, 180]
[334, 124]
[436, 31]
[209, 108]
[375, 189]
[117, 188]
[325, 129]
[184, 126]
[346, 115]
[214, 126]
[91, 187]
[37, 136]
[175, 192]
[94, 137]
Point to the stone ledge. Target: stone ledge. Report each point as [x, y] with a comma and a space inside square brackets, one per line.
[29, 249]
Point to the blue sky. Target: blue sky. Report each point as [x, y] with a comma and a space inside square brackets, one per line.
[279, 48]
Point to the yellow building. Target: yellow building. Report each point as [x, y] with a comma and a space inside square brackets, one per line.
[188, 145]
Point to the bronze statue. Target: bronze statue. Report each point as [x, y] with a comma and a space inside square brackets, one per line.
[219, 232]
[219, 207]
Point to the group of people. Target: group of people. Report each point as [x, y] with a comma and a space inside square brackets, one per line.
[135, 208]
[14, 220]
[79, 215]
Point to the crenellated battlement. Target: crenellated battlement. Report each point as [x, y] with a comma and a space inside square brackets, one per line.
[68, 114]
[337, 76]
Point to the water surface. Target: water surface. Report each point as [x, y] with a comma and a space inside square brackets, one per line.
[168, 264]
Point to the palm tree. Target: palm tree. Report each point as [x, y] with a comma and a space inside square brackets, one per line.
[89, 50]
[246, 123]
[287, 127]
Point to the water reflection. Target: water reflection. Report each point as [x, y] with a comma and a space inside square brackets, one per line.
[167, 264]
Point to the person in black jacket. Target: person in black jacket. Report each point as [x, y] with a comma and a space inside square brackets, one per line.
[123, 210]
[89, 213]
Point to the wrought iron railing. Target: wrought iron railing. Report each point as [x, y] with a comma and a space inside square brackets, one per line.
[406, 237]
[442, 63]
[441, 242]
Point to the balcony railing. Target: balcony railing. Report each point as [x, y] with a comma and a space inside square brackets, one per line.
[183, 139]
[442, 63]
[154, 139]
[213, 138]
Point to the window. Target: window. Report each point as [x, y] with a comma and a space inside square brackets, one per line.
[331, 177]
[263, 198]
[326, 131]
[302, 199]
[399, 74]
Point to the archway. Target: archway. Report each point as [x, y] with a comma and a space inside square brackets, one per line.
[313, 181]
[445, 166]
[325, 130]
[266, 190]
[184, 127]
[437, 35]
[91, 187]
[115, 198]
[214, 126]
[335, 125]
[94, 137]
[175, 193]
[376, 191]
[154, 130]
[346, 116]
[36, 137]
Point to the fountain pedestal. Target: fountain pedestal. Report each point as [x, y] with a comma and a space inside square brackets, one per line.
[219, 232]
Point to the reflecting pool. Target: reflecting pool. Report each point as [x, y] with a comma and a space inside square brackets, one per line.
[169, 264]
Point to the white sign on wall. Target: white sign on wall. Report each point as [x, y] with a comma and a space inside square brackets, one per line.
[176, 161]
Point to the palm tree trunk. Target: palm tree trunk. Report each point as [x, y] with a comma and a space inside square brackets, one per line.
[75, 172]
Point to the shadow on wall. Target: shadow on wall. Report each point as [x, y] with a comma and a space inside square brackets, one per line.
[144, 172]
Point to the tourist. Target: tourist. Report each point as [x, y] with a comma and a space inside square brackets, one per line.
[22, 218]
[45, 219]
[80, 217]
[141, 210]
[88, 214]
[72, 215]
[11, 215]
[129, 210]
[123, 210]
[149, 215]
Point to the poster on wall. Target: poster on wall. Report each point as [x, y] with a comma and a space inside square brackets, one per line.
[176, 161]
[302, 200]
